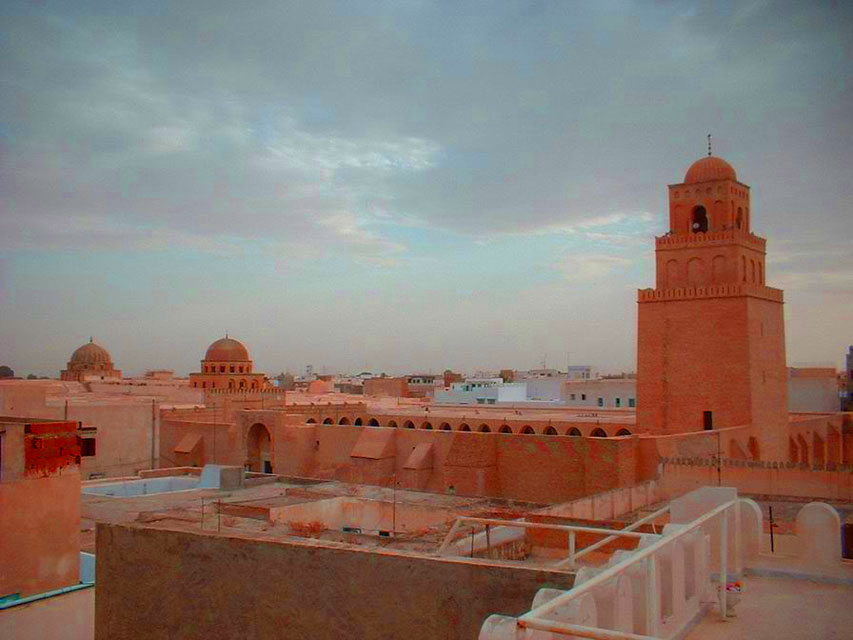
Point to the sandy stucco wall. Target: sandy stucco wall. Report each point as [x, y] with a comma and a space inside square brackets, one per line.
[69, 616]
[39, 525]
[243, 588]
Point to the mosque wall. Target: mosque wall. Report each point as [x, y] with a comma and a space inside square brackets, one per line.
[312, 591]
[680, 475]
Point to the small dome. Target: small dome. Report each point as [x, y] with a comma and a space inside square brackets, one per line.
[91, 353]
[227, 350]
[709, 168]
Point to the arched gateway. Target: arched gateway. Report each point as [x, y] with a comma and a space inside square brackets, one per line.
[259, 449]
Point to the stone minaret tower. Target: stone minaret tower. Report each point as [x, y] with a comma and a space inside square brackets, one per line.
[711, 334]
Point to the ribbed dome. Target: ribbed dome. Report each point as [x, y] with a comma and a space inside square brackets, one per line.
[227, 350]
[709, 168]
[91, 353]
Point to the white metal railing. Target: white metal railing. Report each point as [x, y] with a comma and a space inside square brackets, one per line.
[572, 530]
[536, 618]
[571, 561]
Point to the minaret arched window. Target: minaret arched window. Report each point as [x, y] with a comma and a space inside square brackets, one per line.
[739, 219]
[699, 222]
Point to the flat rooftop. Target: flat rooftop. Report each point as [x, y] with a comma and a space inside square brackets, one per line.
[776, 608]
[324, 511]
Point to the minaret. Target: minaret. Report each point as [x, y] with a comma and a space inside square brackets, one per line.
[711, 335]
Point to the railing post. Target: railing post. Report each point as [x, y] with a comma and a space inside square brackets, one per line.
[572, 549]
[724, 559]
[652, 599]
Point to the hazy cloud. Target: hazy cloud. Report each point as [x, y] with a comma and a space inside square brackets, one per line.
[380, 132]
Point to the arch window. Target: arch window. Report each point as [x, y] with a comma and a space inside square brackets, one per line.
[358, 422]
[599, 433]
[392, 424]
[328, 421]
[505, 428]
[373, 422]
[408, 424]
[344, 421]
[527, 430]
[427, 426]
[311, 421]
[222, 368]
[464, 427]
[699, 220]
[574, 432]
[444, 426]
[551, 431]
[739, 218]
[484, 428]
[623, 432]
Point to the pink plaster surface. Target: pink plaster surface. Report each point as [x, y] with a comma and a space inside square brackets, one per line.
[70, 616]
[39, 525]
[783, 608]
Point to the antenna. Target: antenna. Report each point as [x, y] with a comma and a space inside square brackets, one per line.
[709, 144]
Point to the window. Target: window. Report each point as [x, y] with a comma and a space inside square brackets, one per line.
[600, 402]
[707, 420]
[87, 447]
[232, 369]
[699, 223]
[618, 402]
[572, 396]
[583, 396]
[632, 402]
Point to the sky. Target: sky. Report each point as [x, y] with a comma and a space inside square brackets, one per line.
[403, 186]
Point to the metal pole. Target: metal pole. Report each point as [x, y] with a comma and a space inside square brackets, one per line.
[772, 545]
[724, 558]
[153, 429]
[719, 462]
[572, 549]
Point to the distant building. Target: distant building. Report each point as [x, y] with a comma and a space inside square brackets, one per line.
[387, 387]
[813, 389]
[602, 393]
[423, 385]
[227, 365]
[159, 374]
[482, 391]
[90, 362]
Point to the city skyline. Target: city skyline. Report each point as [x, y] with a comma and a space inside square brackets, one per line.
[364, 188]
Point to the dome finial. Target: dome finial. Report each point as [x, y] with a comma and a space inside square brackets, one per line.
[709, 144]
[91, 340]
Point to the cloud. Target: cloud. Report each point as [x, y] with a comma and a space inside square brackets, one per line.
[591, 268]
[395, 133]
